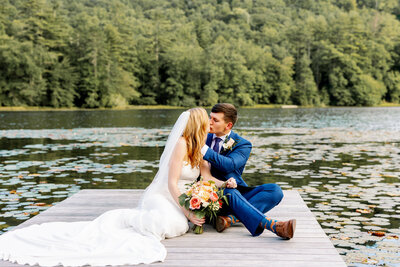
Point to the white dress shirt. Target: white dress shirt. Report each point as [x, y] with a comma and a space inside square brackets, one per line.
[205, 147]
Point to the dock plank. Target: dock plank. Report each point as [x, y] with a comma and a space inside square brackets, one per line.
[234, 247]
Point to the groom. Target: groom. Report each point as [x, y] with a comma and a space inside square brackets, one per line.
[228, 153]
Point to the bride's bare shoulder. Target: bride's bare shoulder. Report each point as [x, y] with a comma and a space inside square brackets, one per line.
[181, 145]
[180, 149]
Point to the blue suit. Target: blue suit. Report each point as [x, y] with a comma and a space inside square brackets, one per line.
[248, 204]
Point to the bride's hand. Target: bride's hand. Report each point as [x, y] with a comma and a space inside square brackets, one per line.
[196, 221]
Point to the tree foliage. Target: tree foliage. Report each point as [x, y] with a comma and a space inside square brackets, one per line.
[112, 53]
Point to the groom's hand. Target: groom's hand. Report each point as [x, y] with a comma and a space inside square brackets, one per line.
[231, 183]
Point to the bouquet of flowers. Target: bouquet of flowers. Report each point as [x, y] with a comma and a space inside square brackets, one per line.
[204, 199]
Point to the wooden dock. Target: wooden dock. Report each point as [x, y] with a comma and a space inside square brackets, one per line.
[234, 247]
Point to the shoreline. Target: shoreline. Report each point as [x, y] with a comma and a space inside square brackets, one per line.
[144, 107]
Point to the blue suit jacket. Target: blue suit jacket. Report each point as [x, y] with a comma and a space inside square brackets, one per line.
[231, 162]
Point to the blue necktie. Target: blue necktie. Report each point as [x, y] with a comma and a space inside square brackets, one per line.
[216, 144]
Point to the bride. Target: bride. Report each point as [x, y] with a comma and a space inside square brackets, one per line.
[123, 236]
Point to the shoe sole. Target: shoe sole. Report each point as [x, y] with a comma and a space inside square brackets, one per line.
[220, 225]
[292, 228]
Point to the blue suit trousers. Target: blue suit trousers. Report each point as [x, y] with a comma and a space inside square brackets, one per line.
[249, 204]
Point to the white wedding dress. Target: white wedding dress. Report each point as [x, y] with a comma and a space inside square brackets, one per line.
[117, 237]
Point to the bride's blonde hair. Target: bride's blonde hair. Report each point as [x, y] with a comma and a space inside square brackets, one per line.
[195, 135]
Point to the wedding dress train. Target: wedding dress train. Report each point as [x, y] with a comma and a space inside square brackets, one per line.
[117, 237]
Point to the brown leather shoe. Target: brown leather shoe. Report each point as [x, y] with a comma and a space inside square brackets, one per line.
[222, 223]
[286, 229]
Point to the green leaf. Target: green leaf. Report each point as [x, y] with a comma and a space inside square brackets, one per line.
[225, 199]
[181, 199]
[200, 214]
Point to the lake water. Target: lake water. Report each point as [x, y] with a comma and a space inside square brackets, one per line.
[345, 162]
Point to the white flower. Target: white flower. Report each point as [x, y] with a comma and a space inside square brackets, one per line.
[215, 206]
[228, 144]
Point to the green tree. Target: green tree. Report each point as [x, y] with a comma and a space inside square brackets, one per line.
[306, 92]
[112, 53]
[21, 68]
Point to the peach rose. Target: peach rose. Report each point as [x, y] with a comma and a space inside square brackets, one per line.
[195, 203]
[213, 196]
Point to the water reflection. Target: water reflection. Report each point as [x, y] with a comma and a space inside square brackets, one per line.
[312, 118]
[88, 119]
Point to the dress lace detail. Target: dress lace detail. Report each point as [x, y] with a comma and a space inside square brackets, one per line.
[117, 237]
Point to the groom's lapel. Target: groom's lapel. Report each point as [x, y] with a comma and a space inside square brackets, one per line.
[235, 137]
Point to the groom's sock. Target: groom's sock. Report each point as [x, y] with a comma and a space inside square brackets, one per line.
[233, 219]
[269, 224]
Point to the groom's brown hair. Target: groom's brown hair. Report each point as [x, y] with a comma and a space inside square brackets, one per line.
[229, 110]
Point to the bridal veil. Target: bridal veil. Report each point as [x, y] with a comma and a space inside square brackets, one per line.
[117, 237]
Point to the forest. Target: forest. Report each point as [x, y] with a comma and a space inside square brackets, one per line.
[111, 53]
